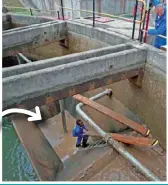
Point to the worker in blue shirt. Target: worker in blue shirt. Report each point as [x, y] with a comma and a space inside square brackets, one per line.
[160, 24]
[79, 131]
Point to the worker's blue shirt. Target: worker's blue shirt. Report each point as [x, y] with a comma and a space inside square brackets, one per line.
[160, 29]
[77, 130]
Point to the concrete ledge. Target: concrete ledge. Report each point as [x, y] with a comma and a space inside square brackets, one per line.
[42, 64]
[17, 41]
[41, 82]
[29, 26]
[97, 33]
[26, 19]
[156, 58]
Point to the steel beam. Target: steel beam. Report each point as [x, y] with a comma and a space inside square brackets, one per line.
[76, 89]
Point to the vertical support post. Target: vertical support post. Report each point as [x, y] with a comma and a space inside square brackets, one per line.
[147, 24]
[58, 15]
[143, 26]
[93, 13]
[99, 6]
[134, 22]
[61, 102]
[62, 9]
[72, 9]
[31, 12]
[139, 36]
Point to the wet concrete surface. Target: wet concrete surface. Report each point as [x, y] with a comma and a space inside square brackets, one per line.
[79, 162]
[63, 143]
[42, 156]
[48, 50]
[100, 164]
[121, 170]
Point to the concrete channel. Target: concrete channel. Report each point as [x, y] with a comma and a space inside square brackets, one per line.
[95, 59]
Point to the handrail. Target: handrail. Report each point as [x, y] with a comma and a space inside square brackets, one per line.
[89, 11]
[162, 36]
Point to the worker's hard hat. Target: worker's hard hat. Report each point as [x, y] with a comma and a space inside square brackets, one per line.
[156, 2]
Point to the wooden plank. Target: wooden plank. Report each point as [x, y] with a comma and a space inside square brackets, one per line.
[42, 156]
[134, 140]
[122, 119]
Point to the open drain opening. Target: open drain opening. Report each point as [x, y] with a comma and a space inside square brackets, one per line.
[9, 61]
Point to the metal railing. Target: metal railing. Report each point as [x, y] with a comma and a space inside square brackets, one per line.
[81, 10]
[145, 9]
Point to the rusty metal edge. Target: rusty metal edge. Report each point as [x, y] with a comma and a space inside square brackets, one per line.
[80, 88]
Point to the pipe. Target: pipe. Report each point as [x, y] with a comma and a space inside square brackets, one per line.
[162, 36]
[146, 172]
[134, 22]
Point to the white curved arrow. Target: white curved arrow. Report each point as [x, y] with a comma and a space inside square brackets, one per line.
[34, 116]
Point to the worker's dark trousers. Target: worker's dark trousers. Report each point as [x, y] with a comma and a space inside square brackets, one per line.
[82, 138]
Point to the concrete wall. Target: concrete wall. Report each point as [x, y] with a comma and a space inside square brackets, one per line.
[43, 5]
[80, 38]
[115, 7]
[75, 43]
[16, 20]
[42, 82]
[27, 20]
[148, 102]
[99, 34]
[36, 35]
[42, 64]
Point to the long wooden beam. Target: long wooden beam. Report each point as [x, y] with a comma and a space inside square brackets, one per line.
[114, 115]
[134, 140]
[126, 139]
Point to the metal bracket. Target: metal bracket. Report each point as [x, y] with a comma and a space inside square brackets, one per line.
[107, 137]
